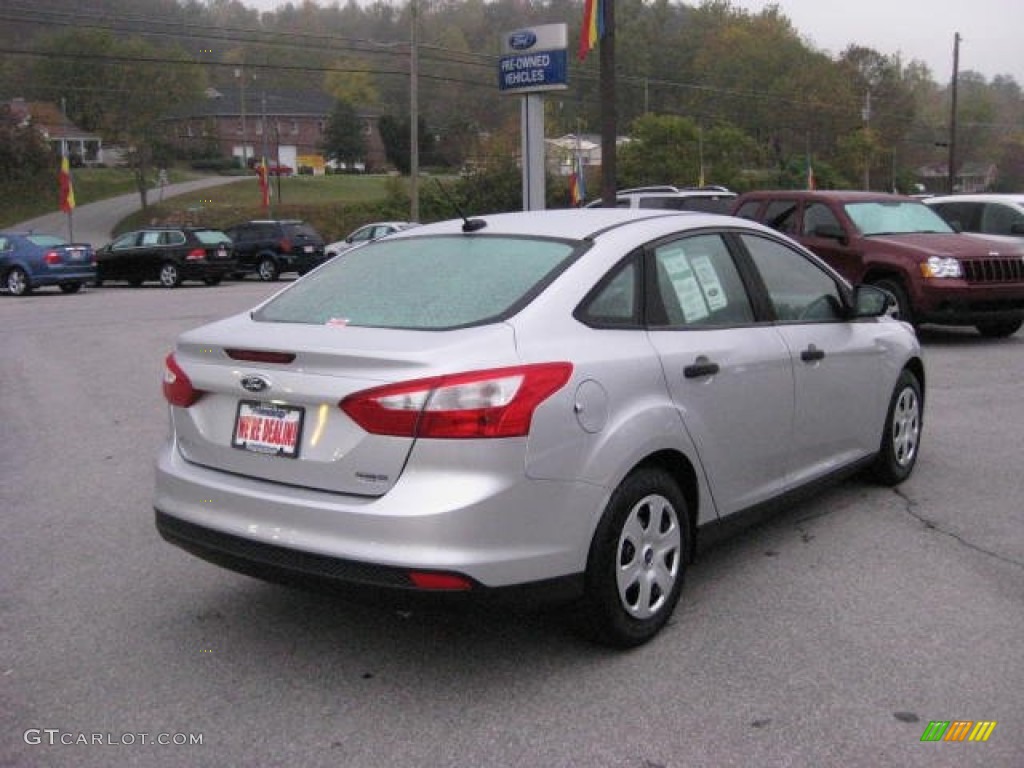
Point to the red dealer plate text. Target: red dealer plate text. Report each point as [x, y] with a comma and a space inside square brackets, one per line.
[268, 428]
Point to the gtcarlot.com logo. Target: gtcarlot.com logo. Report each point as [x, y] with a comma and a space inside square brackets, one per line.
[958, 730]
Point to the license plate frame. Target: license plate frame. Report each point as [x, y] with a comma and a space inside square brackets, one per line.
[271, 429]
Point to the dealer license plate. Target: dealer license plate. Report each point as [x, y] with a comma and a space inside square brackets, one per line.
[268, 428]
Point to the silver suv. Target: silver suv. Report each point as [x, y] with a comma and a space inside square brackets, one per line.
[669, 198]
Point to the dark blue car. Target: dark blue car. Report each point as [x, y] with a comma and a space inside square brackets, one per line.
[29, 261]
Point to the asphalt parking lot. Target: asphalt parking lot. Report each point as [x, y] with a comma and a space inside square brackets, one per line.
[831, 635]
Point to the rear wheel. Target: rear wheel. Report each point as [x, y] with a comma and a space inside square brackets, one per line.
[895, 288]
[637, 561]
[999, 330]
[17, 282]
[170, 275]
[901, 437]
[267, 269]
[71, 287]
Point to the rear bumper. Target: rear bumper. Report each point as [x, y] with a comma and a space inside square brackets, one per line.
[501, 533]
[74, 275]
[303, 569]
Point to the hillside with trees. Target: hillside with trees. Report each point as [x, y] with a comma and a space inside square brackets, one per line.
[741, 95]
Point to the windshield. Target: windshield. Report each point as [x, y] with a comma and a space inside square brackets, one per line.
[897, 217]
[428, 283]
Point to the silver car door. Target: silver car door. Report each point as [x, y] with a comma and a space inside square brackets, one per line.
[839, 398]
[730, 377]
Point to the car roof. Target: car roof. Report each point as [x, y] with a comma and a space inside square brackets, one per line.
[578, 223]
[980, 197]
[837, 195]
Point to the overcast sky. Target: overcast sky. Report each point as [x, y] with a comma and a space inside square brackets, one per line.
[992, 31]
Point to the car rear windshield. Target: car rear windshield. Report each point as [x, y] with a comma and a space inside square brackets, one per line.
[211, 236]
[895, 218]
[427, 283]
[46, 241]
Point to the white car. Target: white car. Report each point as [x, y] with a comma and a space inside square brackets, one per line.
[554, 404]
[986, 214]
[366, 234]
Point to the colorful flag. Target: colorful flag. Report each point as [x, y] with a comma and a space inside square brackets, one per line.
[261, 172]
[593, 26]
[577, 182]
[67, 191]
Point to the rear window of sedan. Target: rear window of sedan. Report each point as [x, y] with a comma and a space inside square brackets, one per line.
[425, 283]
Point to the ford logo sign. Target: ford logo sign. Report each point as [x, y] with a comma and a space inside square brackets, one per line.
[255, 383]
[522, 40]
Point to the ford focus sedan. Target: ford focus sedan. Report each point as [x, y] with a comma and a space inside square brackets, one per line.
[557, 404]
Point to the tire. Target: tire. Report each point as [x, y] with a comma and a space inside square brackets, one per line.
[999, 329]
[17, 282]
[637, 561]
[170, 275]
[70, 287]
[902, 434]
[904, 311]
[212, 281]
[267, 270]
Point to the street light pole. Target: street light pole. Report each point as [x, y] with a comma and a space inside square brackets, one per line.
[951, 181]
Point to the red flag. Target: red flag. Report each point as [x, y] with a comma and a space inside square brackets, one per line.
[261, 171]
[67, 190]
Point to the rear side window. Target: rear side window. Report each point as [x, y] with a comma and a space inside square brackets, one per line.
[301, 231]
[428, 283]
[211, 236]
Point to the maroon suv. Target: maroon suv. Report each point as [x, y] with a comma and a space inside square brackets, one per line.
[936, 274]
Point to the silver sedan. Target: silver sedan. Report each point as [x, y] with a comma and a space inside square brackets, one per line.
[560, 404]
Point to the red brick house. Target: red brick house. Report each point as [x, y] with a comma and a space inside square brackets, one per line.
[285, 126]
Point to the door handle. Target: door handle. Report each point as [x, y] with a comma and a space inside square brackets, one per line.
[812, 354]
[700, 367]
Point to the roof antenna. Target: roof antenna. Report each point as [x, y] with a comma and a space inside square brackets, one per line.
[468, 225]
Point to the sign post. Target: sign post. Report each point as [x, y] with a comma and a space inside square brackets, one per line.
[534, 60]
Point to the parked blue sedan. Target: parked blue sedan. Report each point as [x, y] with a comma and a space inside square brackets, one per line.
[29, 261]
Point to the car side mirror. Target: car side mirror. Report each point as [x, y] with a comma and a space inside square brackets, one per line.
[831, 231]
[870, 301]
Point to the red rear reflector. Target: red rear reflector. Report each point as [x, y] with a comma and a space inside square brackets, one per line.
[178, 389]
[260, 356]
[448, 582]
[285, 245]
[493, 403]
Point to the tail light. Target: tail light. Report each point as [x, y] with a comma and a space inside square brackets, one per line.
[494, 403]
[285, 246]
[52, 257]
[196, 254]
[178, 389]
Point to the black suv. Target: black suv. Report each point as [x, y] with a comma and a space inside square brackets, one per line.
[167, 254]
[269, 248]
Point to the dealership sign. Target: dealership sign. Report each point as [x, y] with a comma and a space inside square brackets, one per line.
[534, 59]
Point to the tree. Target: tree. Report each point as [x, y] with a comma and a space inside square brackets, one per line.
[343, 136]
[27, 170]
[395, 133]
[120, 88]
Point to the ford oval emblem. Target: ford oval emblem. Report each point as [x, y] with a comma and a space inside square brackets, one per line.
[522, 40]
[255, 383]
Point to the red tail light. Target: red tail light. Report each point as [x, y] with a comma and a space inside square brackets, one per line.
[494, 403]
[178, 389]
[196, 254]
[285, 246]
[52, 257]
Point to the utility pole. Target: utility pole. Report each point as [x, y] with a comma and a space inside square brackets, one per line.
[866, 115]
[240, 74]
[414, 116]
[951, 181]
[609, 114]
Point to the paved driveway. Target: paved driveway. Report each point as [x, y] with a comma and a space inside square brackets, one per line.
[93, 223]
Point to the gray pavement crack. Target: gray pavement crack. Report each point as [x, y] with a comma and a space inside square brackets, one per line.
[910, 507]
